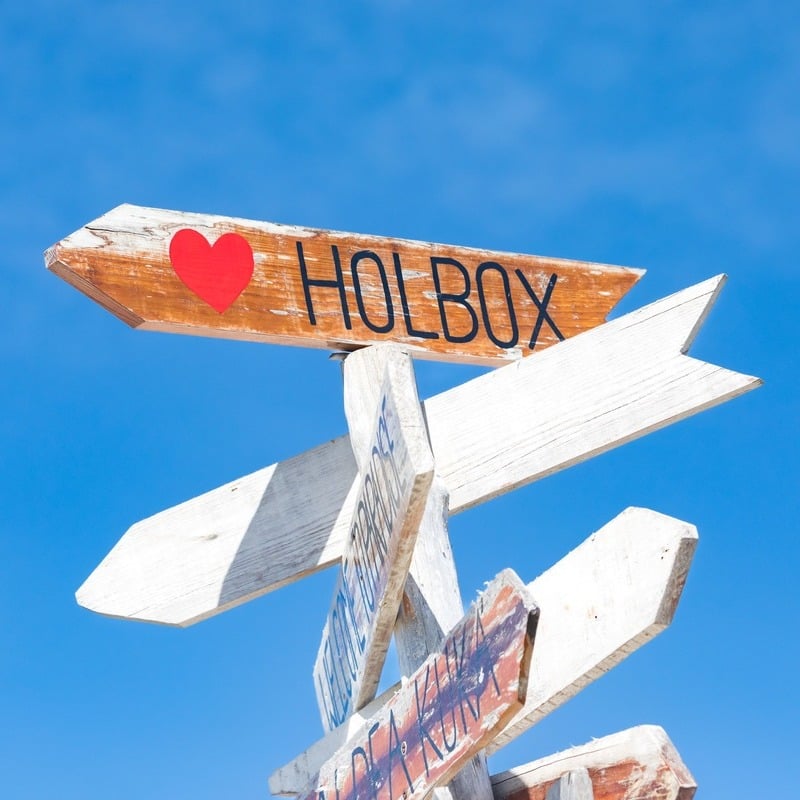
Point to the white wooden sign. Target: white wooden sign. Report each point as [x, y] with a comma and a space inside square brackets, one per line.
[598, 390]
[396, 473]
[599, 603]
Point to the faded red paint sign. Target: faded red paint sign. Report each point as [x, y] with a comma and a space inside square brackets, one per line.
[448, 710]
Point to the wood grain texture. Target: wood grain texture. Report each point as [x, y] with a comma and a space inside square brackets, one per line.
[447, 710]
[599, 603]
[602, 601]
[320, 288]
[575, 785]
[396, 468]
[432, 601]
[637, 764]
[590, 394]
[431, 607]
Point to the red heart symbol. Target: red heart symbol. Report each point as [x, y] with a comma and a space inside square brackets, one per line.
[216, 273]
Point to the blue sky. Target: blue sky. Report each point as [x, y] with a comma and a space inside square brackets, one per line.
[659, 135]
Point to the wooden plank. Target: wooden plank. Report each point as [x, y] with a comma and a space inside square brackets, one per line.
[575, 785]
[431, 605]
[396, 474]
[447, 710]
[219, 276]
[432, 601]
[599, 603]
[591, 393]
[637, 764]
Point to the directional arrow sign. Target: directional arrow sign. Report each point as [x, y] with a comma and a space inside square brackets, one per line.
[591, 393]
[396, 475]
[637, 764]
[447, 710]
[218, 276]
[599, 604]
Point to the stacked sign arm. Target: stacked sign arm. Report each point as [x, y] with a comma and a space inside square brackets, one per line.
[637, 763]
[599, 603]
[604, 388]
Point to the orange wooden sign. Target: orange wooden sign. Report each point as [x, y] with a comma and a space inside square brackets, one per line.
[447, 711]
[218, 276]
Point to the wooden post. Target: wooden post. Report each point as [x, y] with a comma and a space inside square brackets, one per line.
[575, 785]
[432, 602]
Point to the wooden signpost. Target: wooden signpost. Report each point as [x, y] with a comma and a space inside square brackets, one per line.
[397, 473]
[615, 592]
[379, 500]
[448, 710]
[256, 534]
[217, 276]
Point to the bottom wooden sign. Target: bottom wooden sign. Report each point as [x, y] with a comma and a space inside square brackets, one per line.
[637, 764]
[448, 710]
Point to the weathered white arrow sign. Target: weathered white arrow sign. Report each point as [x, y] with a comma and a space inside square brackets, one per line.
[396, 474]
[602, 601]
[447, 710]
[637, 764]
[591, 393]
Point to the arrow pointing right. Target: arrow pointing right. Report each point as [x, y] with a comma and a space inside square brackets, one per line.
[492, 434]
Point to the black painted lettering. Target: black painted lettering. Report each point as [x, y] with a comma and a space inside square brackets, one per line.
[338, 283]
[541, 306]
[374, 772]
[350, 601]
[387, 296]
[483, 650]
[376, 503]
[422, 721]
[454, 299]
[359, 751]
[375, 519]
[349, 634]
[325, 695]
[368, 551]
[366, 597]
[337, 704]
[340, 643]
[493, 266]
[390, 492]
[397, 749]
[401, 285]
[462, 679]
[445, 698]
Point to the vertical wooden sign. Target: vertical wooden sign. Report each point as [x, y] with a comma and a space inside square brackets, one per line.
[396, 474]
[447, 711]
